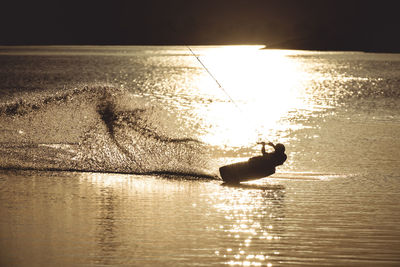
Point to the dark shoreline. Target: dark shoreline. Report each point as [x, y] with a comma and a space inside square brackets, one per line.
[267, 46]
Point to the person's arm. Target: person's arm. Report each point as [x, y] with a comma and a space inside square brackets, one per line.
[271, 144]
[263, 148]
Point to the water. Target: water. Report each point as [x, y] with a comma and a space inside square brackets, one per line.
[111, 156]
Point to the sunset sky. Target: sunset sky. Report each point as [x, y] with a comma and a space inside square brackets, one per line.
[303, 24]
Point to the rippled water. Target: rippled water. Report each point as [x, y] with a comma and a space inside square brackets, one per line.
[102, 219]
[70, 116]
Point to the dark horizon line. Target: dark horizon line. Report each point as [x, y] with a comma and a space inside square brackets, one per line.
[266, 46]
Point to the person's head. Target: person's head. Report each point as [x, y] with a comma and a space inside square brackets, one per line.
[280, 148]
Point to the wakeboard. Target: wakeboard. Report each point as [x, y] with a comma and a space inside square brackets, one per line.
[244, 171]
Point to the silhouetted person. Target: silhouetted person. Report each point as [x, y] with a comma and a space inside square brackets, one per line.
[256, 167]
[269, 160]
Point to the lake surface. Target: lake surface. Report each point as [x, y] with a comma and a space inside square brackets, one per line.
[111, 157]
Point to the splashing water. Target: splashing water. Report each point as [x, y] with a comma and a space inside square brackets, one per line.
[94, 130]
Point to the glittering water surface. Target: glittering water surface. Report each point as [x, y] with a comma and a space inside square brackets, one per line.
[111, 156]
[103, 219]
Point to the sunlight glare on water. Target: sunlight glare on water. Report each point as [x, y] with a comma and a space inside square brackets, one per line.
[252, 223]
[264, 85]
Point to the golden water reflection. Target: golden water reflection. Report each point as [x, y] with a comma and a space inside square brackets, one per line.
[236, 225]
[266, 85]
[253, 224]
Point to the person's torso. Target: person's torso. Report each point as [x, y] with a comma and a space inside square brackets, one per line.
[271, 159]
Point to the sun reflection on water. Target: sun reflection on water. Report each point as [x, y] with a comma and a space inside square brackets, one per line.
[253, 226]
[266, 85]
